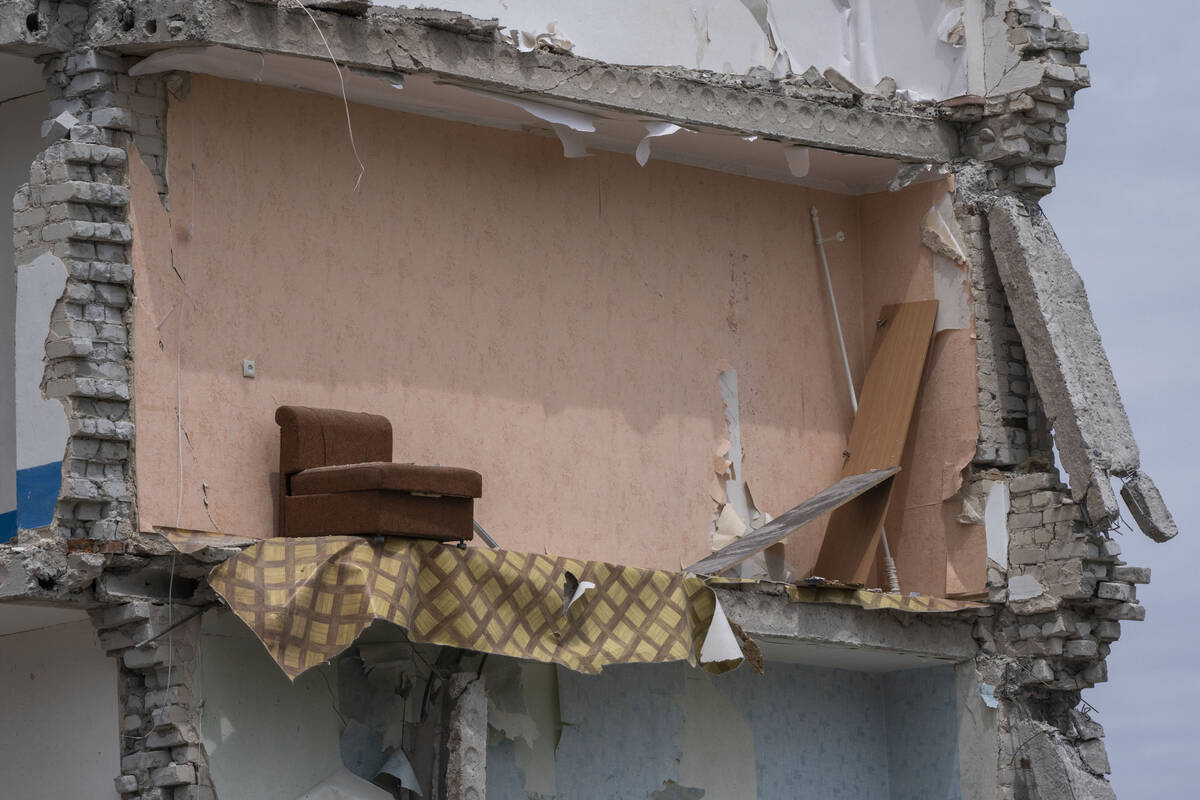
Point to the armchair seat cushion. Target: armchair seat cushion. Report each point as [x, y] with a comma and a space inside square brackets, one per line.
[388, 476]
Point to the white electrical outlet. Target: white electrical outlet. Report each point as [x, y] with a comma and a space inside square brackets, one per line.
[247, 368]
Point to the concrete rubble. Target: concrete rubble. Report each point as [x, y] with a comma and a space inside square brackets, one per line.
[1054, 608]
[1075, 382]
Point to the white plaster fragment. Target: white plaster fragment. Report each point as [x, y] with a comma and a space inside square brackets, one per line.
[345, 785]
[581, 589]
[398, 767]
[735, 486]
[551, 37]
[941, 233]
[907, 174]
[566, 123]
[973, 11]
[1024, 587]
[954, 299]
[572, 142]
[951, 29]
[798, 160]
[995, 523]
[738, 514]
[720, 643]
[555, 115]
[728, 528]
[764, 16]
[653, 130]
[987, 693]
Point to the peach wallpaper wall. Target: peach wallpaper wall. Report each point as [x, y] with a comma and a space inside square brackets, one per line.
[557, 325]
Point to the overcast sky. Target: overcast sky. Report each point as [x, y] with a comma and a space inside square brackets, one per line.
[1128, 212]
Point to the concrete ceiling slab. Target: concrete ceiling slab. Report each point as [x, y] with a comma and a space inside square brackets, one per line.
[427, 95]
[833, 656]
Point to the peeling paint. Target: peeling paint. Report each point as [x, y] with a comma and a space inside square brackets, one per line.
[653, 130]
[798, 160]
[42, 429]
[941, 233]
[737, 513]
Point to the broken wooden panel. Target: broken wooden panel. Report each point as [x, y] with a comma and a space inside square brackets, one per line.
[782, 526]
[877, 437]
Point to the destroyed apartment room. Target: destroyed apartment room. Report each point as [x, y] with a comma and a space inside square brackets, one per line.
[561, 401]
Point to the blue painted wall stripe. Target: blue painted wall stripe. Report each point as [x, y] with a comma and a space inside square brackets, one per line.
[8, 525]
[37, 493]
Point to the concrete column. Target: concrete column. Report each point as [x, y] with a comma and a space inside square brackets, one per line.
[466, 740]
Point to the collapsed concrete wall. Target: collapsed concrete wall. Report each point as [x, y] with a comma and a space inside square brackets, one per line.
[1058, 608]
[1050, 308]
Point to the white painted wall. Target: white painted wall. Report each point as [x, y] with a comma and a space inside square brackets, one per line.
[20, 140]
[59, 733]
[267, 738]
[41, 423]
[862, 39]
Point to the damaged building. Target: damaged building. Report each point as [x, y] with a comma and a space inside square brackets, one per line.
[528, 400]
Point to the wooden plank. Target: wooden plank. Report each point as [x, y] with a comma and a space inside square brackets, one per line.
[885, 410]
[782, 526]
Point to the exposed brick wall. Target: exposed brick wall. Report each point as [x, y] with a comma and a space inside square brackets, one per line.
[1045, 642]
[162, 757]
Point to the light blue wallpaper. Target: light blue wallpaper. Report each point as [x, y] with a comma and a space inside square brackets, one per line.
[618, 735]
[922, 734]
[818, 733]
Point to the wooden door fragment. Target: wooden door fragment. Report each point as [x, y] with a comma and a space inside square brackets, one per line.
[877, 437]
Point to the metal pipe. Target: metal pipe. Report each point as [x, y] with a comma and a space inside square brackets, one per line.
[175, 625]
[837, 320]
[484, 535]
[888, 563]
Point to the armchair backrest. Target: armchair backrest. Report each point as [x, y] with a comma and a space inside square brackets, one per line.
[324, 437]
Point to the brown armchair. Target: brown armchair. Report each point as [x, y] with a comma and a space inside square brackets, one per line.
[336, 477]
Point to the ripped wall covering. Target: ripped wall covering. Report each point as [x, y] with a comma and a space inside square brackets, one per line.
[594, 361]
[919, 43]
[663, 731]
[947, 557]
